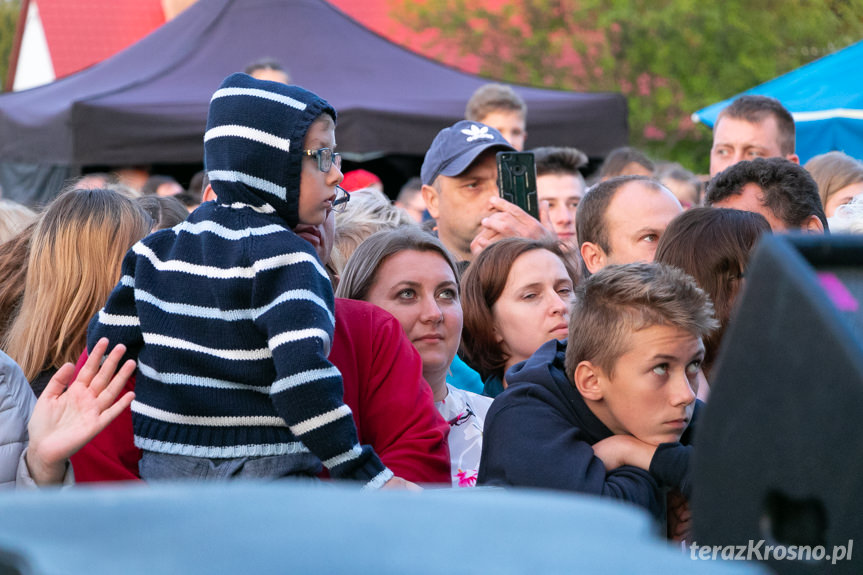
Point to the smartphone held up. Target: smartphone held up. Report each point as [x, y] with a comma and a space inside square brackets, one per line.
[516, 174]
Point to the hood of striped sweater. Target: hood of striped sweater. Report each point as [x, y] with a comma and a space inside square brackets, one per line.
[254, 142]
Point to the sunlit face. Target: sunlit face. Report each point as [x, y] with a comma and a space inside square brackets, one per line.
[636, 218]
[459, 203]
[534, 305]
[842, 197]
[736, 140]
[651, 393]
[415, 207]
[510, 124]
[318, 189]
[420, 290]
[563, 192]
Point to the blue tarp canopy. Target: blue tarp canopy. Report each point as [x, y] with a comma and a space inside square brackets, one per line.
[826, 99]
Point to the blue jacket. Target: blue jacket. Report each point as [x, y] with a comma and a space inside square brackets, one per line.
[539, 432]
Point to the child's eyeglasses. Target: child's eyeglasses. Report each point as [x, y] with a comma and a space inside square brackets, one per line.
[342, 199]
[326, 158]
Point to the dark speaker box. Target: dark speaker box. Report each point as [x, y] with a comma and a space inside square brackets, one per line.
[779, 451]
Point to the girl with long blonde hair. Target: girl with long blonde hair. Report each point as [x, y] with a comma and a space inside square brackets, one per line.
[74, 263]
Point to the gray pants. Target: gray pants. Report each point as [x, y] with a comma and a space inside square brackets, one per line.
[164, 467]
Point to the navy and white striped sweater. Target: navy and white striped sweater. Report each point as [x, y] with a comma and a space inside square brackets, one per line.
[230, 317]
[220, 379]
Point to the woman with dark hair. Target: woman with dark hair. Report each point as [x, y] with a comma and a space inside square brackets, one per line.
[409, 273]
[713, 246]
[516, 296]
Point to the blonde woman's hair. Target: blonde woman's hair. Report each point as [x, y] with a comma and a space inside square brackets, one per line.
[74, 262]
[14, 217]
[833, 171]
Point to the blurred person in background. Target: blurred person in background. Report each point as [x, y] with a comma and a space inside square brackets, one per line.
[498, 106]
[410, 199]
[626, 161]
[839, 178]
[559, 183]
[685, 185]
[14, 217]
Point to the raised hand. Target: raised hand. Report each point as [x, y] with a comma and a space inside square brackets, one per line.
[66, 418]
[509, 220]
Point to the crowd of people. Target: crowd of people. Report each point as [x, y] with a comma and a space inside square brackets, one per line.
[267, 323]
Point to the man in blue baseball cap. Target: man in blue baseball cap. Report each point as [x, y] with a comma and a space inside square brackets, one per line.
[459, 176]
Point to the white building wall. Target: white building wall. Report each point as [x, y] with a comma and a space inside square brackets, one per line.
[34, 61]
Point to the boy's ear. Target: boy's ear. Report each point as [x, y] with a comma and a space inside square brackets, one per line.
[587, 381]
[593, 256]
[813, 225]
[209, 194]
[430, 197]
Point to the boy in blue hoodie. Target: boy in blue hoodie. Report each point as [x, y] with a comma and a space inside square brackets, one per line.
[609, 411]
[230, 314]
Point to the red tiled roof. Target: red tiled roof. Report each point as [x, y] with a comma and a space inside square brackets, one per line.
[377, 15]
[82, 33]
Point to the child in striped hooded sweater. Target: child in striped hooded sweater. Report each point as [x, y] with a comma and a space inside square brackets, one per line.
[230, 314]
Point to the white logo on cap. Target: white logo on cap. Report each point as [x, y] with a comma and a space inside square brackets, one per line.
[477, 133]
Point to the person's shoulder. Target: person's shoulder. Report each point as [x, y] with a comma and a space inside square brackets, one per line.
[353, 310]
[242, 220]
[539, 369]
[524, 393]
[16, 397]
[540, 383]
[363, 317]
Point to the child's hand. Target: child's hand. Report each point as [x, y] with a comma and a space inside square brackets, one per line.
[399, 483]
[620, 450]
[66, 418]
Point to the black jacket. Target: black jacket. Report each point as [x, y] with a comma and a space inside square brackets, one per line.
[539, 432]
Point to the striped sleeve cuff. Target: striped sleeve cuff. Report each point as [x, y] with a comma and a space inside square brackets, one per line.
[378, 480]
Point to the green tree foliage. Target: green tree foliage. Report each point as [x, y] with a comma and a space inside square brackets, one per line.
[8, 19]
[669, 57]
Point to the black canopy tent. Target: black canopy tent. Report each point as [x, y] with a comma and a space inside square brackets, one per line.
[148, 103]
